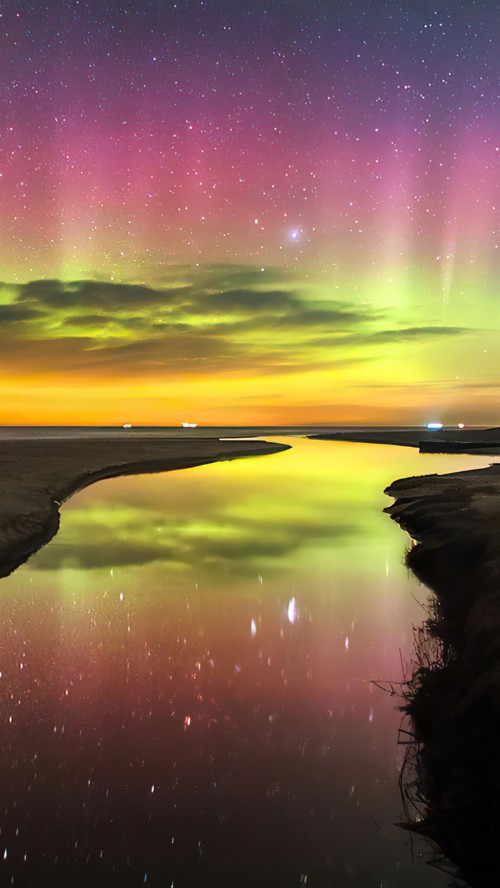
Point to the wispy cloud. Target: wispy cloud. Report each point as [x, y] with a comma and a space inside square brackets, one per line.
[218, 318]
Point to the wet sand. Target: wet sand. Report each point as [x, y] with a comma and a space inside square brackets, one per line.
[38, 475]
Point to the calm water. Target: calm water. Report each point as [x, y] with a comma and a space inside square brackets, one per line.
[185, 680]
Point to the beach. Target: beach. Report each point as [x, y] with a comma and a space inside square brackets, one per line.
[38, 474]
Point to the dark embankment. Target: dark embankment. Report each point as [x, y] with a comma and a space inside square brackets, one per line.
[36, 476]
[480, 447]
[485, 441]
[452, 778]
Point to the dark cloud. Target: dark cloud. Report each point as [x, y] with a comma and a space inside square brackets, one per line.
[311, 316]
[93, 294]
[163, 326]
[91, 320]
[230, 319]
[301, 319]
[248, 301]
[133, 323]
[272, 308]
[16, 313]
[40, 290]
[381, 337]
[415, 333]
[225, 276]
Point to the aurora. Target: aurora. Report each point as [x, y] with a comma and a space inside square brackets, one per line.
[285, 214]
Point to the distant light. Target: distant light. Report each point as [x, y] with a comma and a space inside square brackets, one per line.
[253, 628]
[461, 425]
[294, 234]
[127, 425]
[434, 425]
[292, 610]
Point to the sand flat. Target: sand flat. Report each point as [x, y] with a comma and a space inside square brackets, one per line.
[38, 474]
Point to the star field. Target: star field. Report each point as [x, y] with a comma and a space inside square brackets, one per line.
[354, 145]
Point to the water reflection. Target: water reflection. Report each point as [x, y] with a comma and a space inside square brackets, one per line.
[185, 680]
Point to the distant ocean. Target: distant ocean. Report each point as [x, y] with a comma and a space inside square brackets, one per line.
[23, 432]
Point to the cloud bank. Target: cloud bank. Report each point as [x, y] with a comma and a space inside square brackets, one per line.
[216, 319]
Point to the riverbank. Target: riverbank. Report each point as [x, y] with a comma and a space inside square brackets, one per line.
[450, 782]
[437, 509]
[38, 475]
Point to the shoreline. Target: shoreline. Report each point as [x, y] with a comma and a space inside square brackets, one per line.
[449, 781]
[438, 507]
[38, 476]
[481, 441]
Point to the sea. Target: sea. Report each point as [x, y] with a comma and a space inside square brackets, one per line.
[204, 431]
[201, 677]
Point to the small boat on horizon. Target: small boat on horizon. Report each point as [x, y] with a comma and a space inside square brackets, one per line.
[127, 425]
[189, 425]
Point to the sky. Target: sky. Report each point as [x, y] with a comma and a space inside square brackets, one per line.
[277, 211]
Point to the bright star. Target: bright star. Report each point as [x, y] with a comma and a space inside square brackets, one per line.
[294, 234]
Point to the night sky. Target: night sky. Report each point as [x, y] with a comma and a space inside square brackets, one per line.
[249, 212]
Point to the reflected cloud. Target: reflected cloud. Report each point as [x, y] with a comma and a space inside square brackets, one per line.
[217, 543]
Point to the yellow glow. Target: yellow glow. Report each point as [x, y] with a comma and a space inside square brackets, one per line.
[378, 350]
